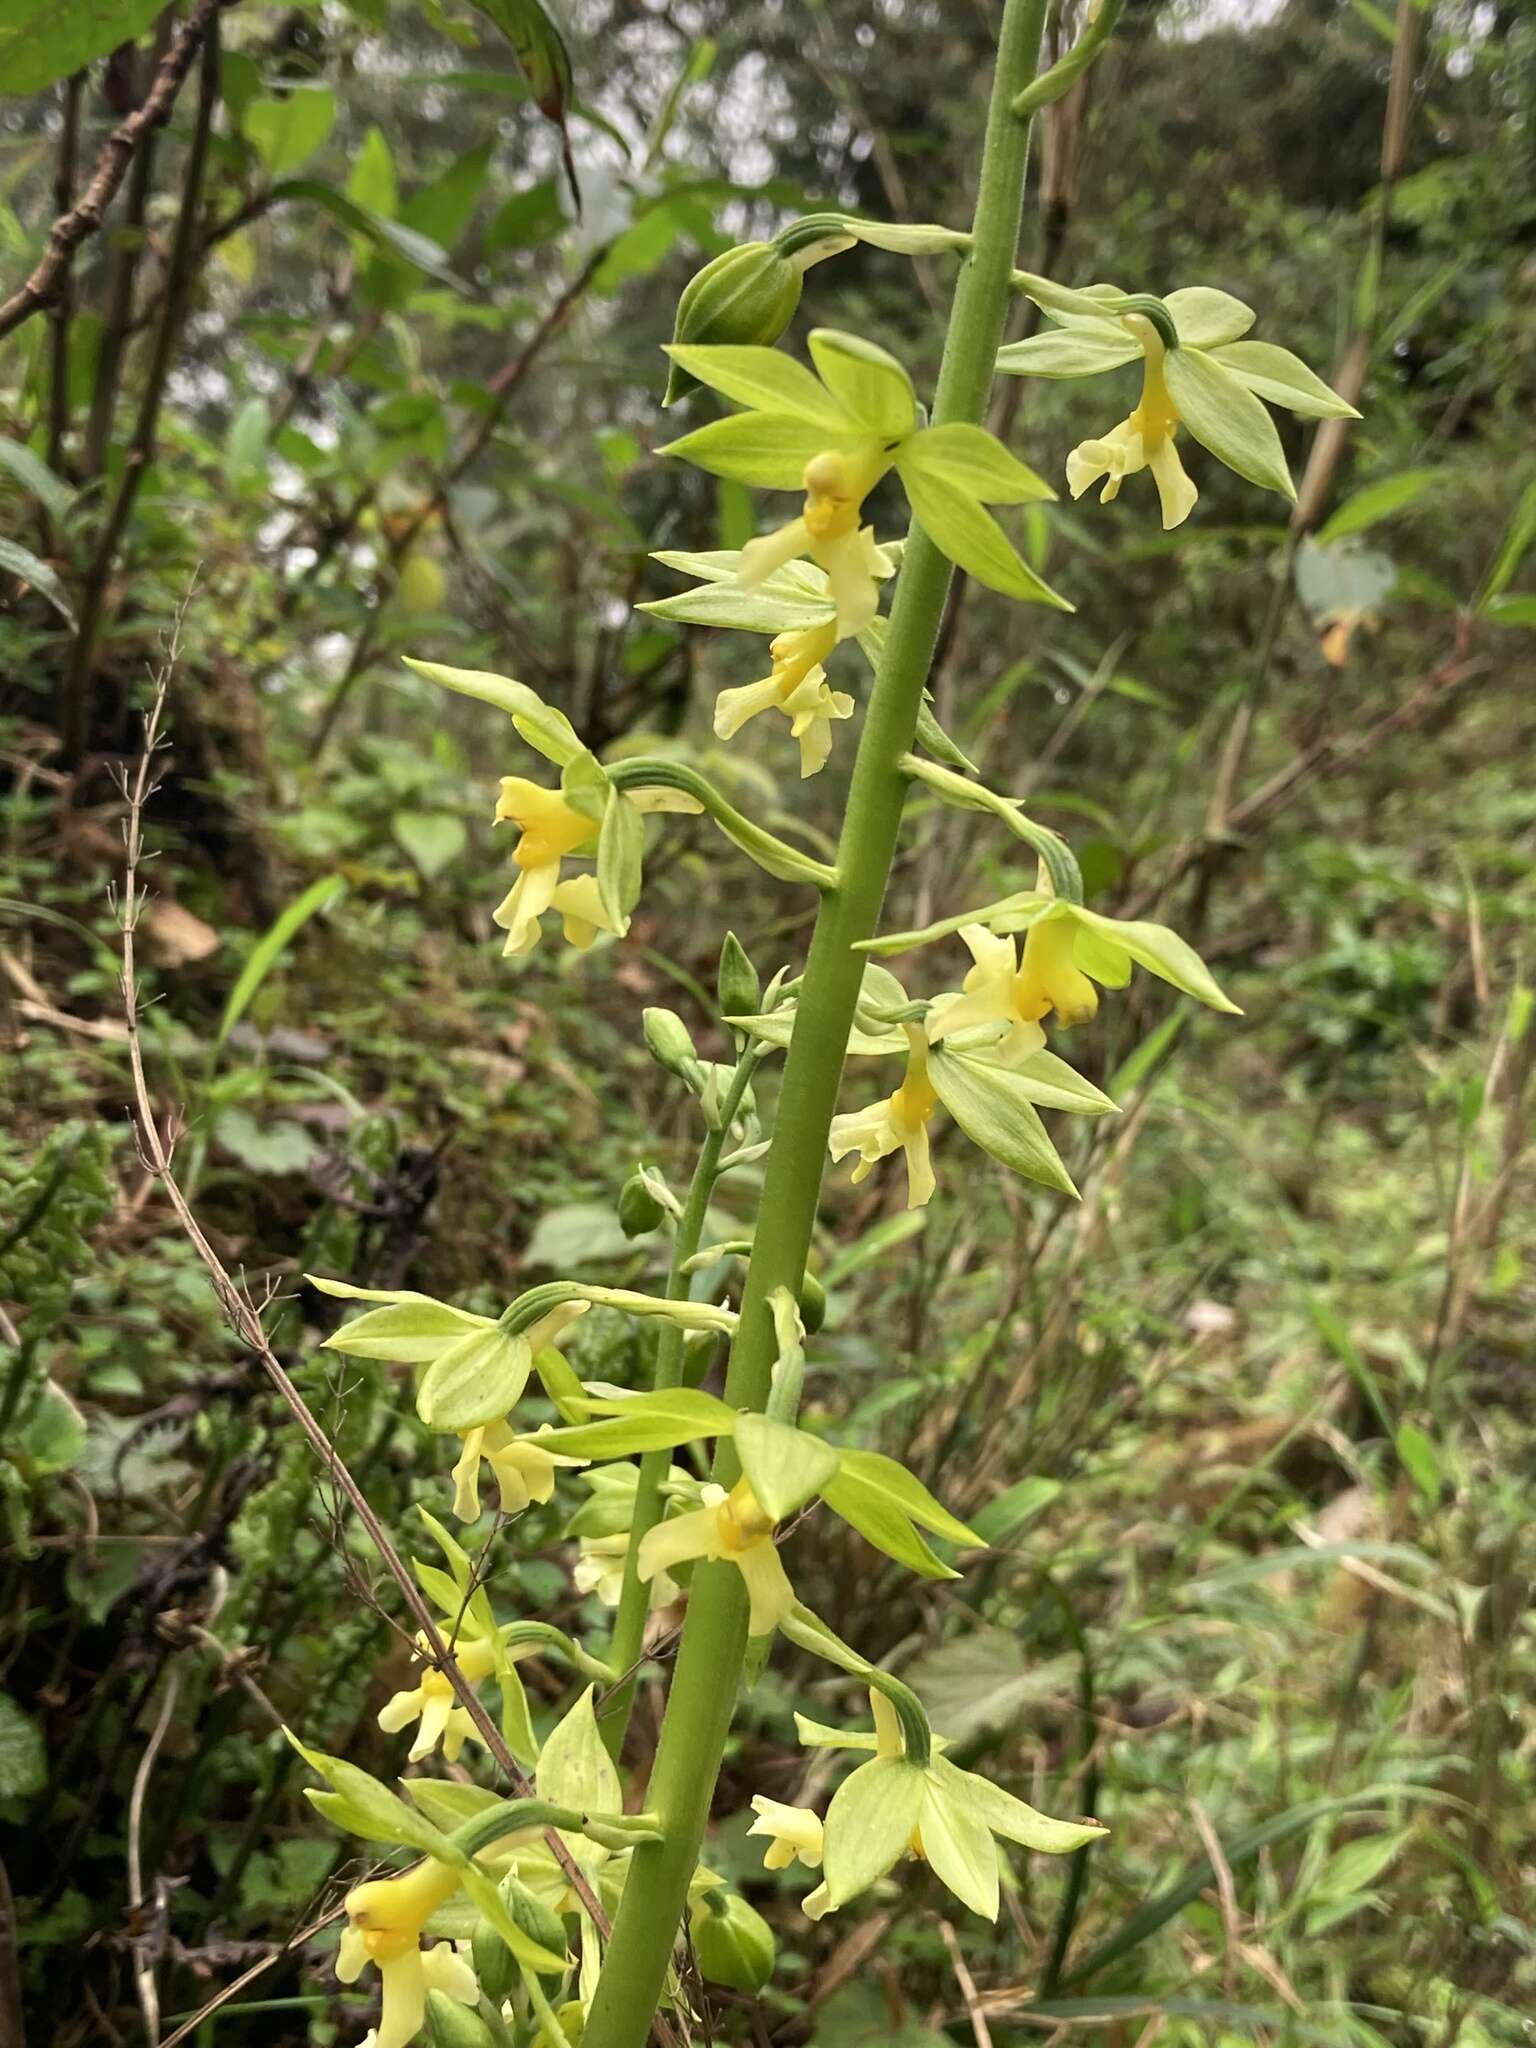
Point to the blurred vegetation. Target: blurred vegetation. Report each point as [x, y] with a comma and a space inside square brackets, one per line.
[363, 363]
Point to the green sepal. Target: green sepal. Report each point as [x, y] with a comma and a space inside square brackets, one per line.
[364, 1807]
[620, 856]
[767, 381]
[1283, 379]
[867, 381]
[959, 1848]
[1161, 951]
[409, 1332]
[972, 538]
[548, 731]
[1010, 1817]
[585, 786]
[768, 450]
[869, 1509]
[992, 1105]
[869, 1824]
[476, 1380]
[644, 1422]
[1205, 317]
[974, 463]
[784, 1466]
[1224, 416]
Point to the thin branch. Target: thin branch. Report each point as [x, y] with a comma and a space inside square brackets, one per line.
[85, 218]
[143, 1957]
[242, 1316]
[63, 305]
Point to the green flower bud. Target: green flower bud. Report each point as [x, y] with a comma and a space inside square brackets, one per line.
[451, 2025]
[495, 1965]
[739, 988]
[732, 1942]
[573, 2023]
[639, 1210]
[666, 1035]
[745, 295]
[538, 1921]
[813, 1304]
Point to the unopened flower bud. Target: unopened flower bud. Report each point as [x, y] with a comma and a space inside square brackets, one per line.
[739, 988]
[813, 1304]
[494, 1964]
[639, 1210]
[732, 1942]
[746, 295]
[451, 2025]
[666, 1035]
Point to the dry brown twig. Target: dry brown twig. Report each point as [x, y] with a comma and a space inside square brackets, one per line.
[238, 1309]
[85, 217]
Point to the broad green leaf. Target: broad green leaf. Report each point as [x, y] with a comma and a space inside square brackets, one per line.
[867, 381]
[15, 560]
[23, 1761]
[1284, 379]
[869, 1824]
[972, 538]
[974, 462]
[285, 131]
[476, 1380]
[1162, 952]
[870, 1510]
[548, 731]
[904, 1490]
[413, 1333]
[33, 474]
[1206, 318]
[784, 1466]
[1224, 416]
[768, 449]
[958, 1846]
[245, 445]
[1070, 352]
[42, 41]
[442, 210]
[1376, 502]
[1018, 1504]
[1010, 1817]
[434, 840]
[993, 1108]
[270, 947]
[371, 181]
[540, 51]
[766, 379]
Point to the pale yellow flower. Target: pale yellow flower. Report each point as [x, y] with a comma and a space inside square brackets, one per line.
[798, 688]
[550, 830]
[1144, 441]
[384, 1924]
[600, 1570]
[433, 1702]
[898, 1124]
[733, 1528]
[793, 1831]
[998, 990]
[523, 1469]
[828, 530]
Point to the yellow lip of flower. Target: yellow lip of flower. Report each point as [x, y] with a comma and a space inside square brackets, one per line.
[729, 1527]
[828, 530]
[385, 1919]
[794, 1832]
[433, 1702]
[798, 688]
[990, 994]
[1143, 441]
[523, 1469]
[600, 1570]
[899, 1123]
[1049, 978]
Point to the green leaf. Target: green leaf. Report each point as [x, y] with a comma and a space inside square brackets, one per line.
[475, 1380]
[277, 1147]
[285, 131]
[867, 381]
[1206, 318]
[769, 449]
[548, 731]
[411, 1333]
[54, 1435]
[1517, 537]
[42, 41]
[1070, 352]
[433, 839]
[23, 1761]
[620, 853]
[767, 380]
[906, 1492]
[1224, 416]
[1162, 952]
[575, 1769]
[443, 209]
[270, 947]
[34, 475]
[1510, 610]
[785, 1467]
[992, 1106]
[371, 182]
[364, 1807]
[1376, 502]
[1420, 1460]
[15, 560]
[391, 236]
[869, 1824]
[972, 538]
[973, 462]
[245, 445]
[1284, 379]
[540, 51]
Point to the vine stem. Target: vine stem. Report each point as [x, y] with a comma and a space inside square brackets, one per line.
[703, 1694]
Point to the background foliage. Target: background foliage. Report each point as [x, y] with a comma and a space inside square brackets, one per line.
[349, 373]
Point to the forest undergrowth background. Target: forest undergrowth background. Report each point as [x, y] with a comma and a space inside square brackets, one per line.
[349, 374]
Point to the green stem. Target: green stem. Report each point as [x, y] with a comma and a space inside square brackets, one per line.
[634, 1599]
[703, 1692]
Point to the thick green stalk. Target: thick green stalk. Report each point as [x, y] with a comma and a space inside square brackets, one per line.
[634, 1599]
[703, 1693]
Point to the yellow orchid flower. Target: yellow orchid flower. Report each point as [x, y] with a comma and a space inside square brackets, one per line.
[1001, 988]
[600, 1570]
[550, 831]
[798, 688]
[731, 1528]
[524, 1471]
[1143, 441]
[384, 1924]
[434, 1703]
[899, 1123]
[794, 1832]
[828, 530]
